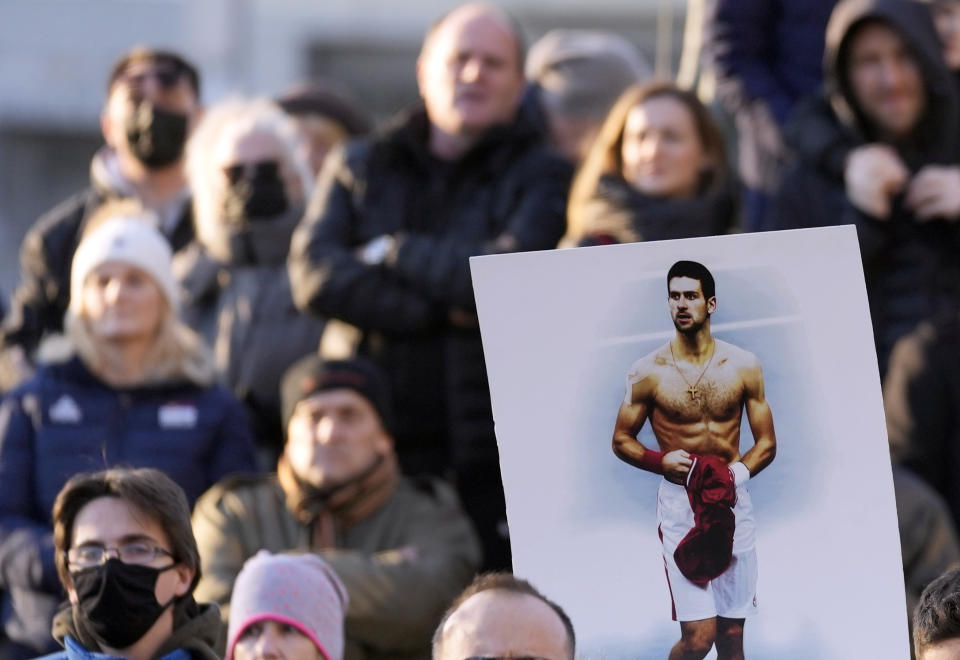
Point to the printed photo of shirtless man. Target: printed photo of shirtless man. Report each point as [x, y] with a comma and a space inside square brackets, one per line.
[694, 390]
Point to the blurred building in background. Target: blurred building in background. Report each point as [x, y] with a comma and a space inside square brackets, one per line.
[55, 56]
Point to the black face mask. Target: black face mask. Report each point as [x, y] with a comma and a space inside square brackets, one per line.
[117, 601]
[156, 136]
[256, 192]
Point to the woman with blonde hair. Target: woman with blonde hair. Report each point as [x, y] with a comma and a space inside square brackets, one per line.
[128, 384]
[657, 170]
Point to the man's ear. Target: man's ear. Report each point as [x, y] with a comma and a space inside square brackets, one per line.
[195, 117]
[106, 127]
[185, 576]
[421, 74]
[712, 305]
[384, 442]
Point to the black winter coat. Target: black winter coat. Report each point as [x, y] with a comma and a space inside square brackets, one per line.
[508, 193]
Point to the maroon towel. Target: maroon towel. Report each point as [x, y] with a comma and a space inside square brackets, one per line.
[706, 550]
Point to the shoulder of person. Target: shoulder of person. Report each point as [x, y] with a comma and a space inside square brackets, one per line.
[63, 223]
[434, 489]
[540, 161]
[53, 376]
[739, 357]
[238, 491]
[649, 363]
[197, 272]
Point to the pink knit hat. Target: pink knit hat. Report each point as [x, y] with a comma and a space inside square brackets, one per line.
[299, 590]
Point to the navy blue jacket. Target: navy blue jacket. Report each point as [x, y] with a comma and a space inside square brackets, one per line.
[766, 55]
[769, 50]
[64, 421]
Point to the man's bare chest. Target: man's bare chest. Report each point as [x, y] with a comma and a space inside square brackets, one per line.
[686, 394]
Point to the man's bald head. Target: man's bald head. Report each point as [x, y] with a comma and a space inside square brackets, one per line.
[470, 76]
[465, 13]
[502, 616]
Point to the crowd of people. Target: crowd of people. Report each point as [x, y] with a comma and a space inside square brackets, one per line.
[246, 412]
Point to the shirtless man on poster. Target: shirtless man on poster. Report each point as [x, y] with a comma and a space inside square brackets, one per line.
[694, 390]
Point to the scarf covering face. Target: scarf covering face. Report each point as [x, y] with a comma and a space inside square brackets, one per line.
[341, 505]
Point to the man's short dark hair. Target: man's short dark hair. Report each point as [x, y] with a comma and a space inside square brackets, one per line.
[697, 271]
[937, 617]
[509, 583]
[151, 491]
[177, 63]
[514, 25]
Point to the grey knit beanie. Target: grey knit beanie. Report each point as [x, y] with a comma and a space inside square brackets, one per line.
[299, 590]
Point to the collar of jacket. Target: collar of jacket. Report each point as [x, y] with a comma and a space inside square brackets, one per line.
[348, 502]
[196, 634]
[75, 371]
[409, 133]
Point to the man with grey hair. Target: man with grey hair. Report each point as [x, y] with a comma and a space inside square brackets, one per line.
[577, 75]
[502, 616]
[386, 242]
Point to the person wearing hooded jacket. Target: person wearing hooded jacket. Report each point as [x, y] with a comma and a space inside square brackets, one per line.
[128, 384]
[152, 103]
[249, 180]
[386, 242]
[832, 143]
[890, 92]
[127, 558]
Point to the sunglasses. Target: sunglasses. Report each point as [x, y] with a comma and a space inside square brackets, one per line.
[262, 169]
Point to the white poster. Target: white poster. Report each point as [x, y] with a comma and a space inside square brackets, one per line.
[580, 343]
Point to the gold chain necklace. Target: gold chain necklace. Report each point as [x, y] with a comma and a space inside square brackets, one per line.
[692, 389]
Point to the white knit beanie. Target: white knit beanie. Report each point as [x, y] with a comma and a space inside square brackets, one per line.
[299, 590]
[131, 241]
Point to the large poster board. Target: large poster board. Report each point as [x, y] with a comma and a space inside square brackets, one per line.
[562, 329]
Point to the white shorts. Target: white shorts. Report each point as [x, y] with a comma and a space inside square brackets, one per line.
[732, 594]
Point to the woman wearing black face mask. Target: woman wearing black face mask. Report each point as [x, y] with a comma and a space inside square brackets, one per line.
[250, 180]
[128, 561]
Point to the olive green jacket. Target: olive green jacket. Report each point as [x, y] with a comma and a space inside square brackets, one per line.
[401, 566]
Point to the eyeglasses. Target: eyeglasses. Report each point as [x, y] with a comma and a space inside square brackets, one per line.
[261, 169]
[166, 75]
[137, 552]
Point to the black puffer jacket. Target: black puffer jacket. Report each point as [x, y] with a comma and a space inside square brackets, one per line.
[508, 193]
[911, 268]
[618, 213]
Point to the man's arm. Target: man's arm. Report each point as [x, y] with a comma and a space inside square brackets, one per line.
[439, 266]
[399, 593]
[761, 421]
[327, 278]
[740, 38]
[633, 412]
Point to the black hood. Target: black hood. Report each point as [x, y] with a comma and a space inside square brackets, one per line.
[937, 136]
